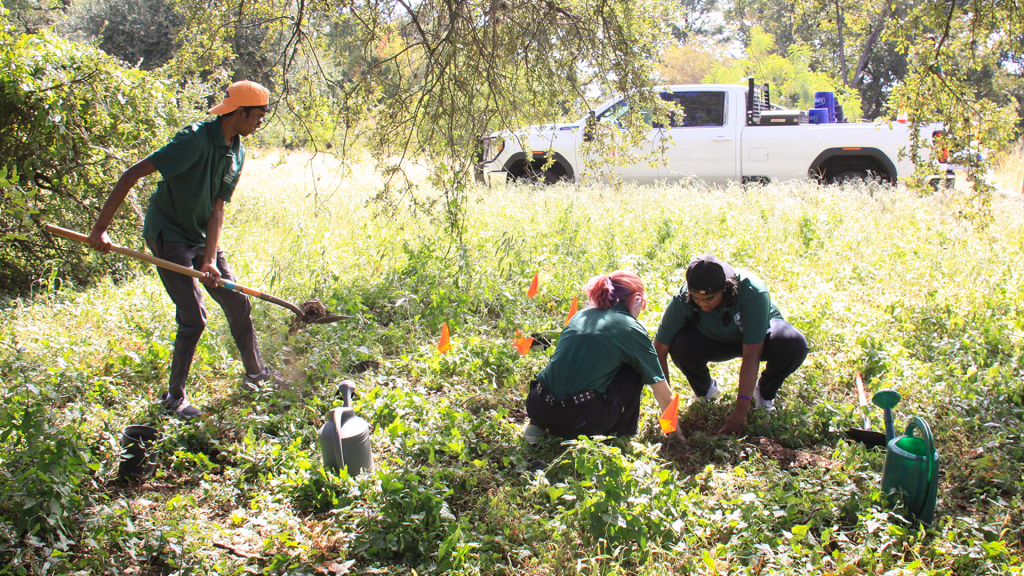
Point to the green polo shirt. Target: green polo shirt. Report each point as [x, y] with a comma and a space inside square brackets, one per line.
[592, 348]
[197, 168]
[748, 316]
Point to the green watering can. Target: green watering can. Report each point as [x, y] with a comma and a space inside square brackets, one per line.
[345, 437]
[911, 463]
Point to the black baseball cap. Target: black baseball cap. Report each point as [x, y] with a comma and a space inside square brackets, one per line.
[707, 275]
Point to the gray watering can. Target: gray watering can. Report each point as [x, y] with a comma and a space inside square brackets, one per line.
[345, 437]
[911, 462]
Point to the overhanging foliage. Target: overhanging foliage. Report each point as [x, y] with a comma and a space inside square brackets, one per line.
[71, 119]
[425, 79]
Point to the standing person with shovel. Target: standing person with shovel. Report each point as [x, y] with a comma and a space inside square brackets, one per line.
[200, 167]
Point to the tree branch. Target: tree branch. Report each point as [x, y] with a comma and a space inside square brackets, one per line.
[945, 33]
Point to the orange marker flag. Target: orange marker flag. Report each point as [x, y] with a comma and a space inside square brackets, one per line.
[669, 419]
[445, 344]
[533, 286]
[523, 343]
[572, 311]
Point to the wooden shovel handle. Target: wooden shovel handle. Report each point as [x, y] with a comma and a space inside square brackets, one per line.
[78, 237]
[863, 398]
[860, 390]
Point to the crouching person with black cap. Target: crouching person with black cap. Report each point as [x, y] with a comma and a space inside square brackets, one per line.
[721, 314]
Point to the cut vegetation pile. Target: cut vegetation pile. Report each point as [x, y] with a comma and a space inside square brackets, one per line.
[880, 281]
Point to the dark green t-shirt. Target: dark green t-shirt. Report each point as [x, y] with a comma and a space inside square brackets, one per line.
[592, 348]
[197, 167]
[748, 316]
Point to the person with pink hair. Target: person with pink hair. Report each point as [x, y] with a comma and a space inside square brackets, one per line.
[604, 357]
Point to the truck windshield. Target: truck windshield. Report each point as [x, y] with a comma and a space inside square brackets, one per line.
[618, 111]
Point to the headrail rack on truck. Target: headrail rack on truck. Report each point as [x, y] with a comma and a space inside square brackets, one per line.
[726, 133]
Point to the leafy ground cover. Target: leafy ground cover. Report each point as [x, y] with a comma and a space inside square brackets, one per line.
[880, 280]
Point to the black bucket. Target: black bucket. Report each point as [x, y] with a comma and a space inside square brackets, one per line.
[138, 456]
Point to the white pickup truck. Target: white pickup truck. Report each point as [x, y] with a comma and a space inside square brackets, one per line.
[726, 133]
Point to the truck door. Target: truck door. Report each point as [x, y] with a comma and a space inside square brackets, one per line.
[638, 168]
[701, 141]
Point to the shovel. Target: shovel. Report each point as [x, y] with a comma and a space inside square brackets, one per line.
[865, 435]
[311, 312]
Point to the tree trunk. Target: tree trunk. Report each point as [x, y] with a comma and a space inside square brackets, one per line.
[842, 48]
[869, 45]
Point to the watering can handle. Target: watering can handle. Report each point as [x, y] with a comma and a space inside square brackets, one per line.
[336, 414]
[929, 442]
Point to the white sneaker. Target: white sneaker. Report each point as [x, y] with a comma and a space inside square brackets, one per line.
[533, 434]
[713, 391]
[759, 402]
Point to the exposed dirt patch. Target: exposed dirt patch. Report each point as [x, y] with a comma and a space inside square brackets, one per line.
[313, 310]
[788, 458]
[363, 366]
[517, 415]
[691, 423]
[694, 454]
[131, 490]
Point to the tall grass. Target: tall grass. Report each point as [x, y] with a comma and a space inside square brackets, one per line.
[1008, 170]
[880, 280]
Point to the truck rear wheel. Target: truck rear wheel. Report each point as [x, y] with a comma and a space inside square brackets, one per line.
[854, 177]
[840, 165]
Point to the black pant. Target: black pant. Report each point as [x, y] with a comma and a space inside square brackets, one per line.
[616, 412]
[785, 349]
[190, 311]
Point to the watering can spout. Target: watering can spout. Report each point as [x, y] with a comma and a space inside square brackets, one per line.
[345, 389]
[887, 400]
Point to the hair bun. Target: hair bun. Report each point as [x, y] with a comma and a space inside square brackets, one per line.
[606, 290]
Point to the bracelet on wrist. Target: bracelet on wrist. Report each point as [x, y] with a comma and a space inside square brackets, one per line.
[744, 397]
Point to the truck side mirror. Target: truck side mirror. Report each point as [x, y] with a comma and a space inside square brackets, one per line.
[589, 126]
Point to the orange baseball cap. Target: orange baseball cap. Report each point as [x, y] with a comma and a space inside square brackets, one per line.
[242, 93]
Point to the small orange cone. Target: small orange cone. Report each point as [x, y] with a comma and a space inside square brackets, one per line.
[572, 311]
[523, 343]
[669, 419]
[445, 343]
[533, 286]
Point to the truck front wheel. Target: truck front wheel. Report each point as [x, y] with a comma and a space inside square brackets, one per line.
[538, 175]
[523, 171]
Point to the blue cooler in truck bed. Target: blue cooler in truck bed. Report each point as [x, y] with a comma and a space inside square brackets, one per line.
[826, 100]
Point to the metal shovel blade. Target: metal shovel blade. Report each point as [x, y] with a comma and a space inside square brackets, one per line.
[869, 438]
[329, 319]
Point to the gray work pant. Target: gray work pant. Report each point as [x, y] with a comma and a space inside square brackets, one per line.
[190, 312]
